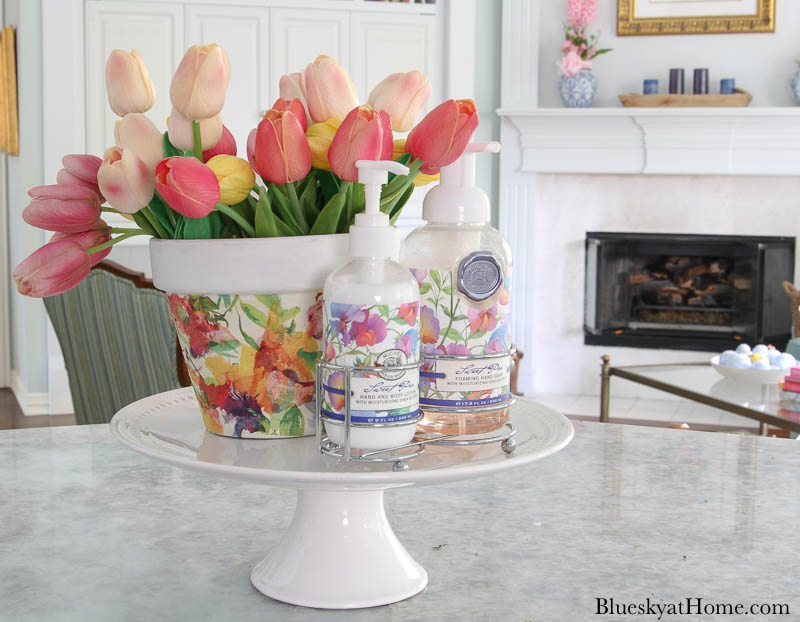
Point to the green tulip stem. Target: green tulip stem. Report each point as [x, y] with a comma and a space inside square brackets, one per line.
[151, 218]
[296, 207]
[124, 230]
[110, 209]
[237, 218]
[343, 188]
[111, 242]
[198, 143]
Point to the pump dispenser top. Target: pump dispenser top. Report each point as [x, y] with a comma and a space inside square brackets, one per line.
[372, 235]
[457, 198]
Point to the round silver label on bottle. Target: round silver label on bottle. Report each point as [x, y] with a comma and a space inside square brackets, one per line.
[480, 275]
[391, 358]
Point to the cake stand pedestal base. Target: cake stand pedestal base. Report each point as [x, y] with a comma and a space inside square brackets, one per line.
[339, 553]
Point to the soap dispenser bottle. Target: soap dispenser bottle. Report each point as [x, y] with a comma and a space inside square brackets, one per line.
[463, 268]
[371, 319]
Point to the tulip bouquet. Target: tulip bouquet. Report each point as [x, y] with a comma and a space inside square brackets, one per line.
[579, 48]
[188, 182]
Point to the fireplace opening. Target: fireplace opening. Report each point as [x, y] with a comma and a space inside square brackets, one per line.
[686, 292]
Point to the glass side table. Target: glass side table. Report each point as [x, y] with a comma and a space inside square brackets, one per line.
[699, 382]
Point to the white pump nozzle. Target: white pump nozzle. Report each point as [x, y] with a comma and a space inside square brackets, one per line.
[371, 235]
[456, 198]
[373, 174]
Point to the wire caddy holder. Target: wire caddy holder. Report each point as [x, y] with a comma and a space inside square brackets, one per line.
[401, 454]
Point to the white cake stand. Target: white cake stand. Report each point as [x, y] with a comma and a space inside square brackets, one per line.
[339, 551]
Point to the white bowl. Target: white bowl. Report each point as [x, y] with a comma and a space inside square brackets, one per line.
[748, 374]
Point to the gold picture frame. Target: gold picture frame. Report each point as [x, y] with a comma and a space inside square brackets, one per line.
[629, 25]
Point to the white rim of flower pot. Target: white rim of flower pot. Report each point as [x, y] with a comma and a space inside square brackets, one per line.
[247, 266]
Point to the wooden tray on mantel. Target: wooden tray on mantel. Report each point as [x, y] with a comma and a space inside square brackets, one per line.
[736, 100]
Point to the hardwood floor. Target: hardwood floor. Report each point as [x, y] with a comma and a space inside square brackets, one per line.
[11, 416]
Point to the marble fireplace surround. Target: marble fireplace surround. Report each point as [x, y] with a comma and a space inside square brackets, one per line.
[564, 172]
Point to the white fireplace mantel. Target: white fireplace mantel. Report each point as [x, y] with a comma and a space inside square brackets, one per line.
[658, 141]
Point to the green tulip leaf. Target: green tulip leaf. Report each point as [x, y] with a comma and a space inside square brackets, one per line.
[144, 224]
[328, 183]
[308, 198]
[265, 219]
[358, 201]
[197, 228]
[403, 159]
[280, 204]
[328, 219]
[170, 150]
[398, 208]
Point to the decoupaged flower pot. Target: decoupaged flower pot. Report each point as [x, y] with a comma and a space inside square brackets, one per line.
[248, 316]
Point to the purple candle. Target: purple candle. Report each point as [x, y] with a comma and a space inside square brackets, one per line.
[700, 82]
[676, 81]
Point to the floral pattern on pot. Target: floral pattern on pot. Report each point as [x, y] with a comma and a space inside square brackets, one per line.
[252, 360]
[372, 336]
[578, 91]
[451, 325]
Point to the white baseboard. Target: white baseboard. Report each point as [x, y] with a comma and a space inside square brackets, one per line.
[29, 403]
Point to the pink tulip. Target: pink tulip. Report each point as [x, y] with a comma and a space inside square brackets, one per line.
[188, 186]
[181, 134]
[281, 153]
[365, 134]
[128, 83]
[251, 147]
[80, 170]
[51, 270]
[403, 96]
[62, 207]
[89, 239]
[330, 93]
[444, 133]
[199, 84]
[295, 106]
[137, 133]
[125, 180]
[225, 145]
[293, 86]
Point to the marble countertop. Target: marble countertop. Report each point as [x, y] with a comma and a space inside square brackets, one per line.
[93, 531]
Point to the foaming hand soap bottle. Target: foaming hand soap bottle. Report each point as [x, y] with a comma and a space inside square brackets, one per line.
[371, 316]
[463, 269]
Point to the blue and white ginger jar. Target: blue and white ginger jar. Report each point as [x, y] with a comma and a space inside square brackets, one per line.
[578, 91]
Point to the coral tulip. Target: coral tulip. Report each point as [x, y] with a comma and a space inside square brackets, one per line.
[330, 93]
[226, 145]
[235, 178]
[199, 84]
[320, 136]
[365, 134]
[444, 133]
[293, 86]
[125, 180]
[128, 83]
[137, 133]
[62, 207]
[295, 106]
[282, 154]
[181, 134]
[403, 96]
[53, 269]
[88, 239]
[188, 186]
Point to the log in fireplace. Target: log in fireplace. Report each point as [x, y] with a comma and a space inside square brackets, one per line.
[686, 292]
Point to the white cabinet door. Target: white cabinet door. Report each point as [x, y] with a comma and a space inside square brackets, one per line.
[156, 30]
[385, 44]
[244, 33]
[298, 36]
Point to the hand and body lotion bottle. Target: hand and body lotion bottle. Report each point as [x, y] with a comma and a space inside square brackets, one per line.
[462, 266]
[371, 316]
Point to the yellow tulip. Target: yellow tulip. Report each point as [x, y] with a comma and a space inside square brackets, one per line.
[319, 136]
[235, 177]
[398, 149]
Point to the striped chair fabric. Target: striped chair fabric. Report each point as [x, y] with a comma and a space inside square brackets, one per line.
[118, 343]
